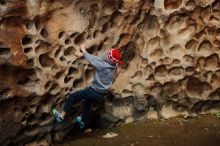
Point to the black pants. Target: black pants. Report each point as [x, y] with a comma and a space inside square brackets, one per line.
[90, 96]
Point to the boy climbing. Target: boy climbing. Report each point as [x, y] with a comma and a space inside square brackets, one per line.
[105, 68]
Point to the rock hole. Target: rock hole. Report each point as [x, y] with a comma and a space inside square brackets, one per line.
[44, 33]
[26, 40]
[4, 50]
[191, 45]
[38, 42]
[176, 71]
[62, 58]
[47, 85]
[105, 28]
[106, 39]
[24, 109]
[153, 63]
[161, 70]
[30, 120]
[212, 62]
[152, 23]
[172, 4]
[201, 62]
[55, 86]
[176, 61]
[213, 18]
[37, 81]
[54, 68]
[89, 37]
[28, 24]
[96, 33]
[89, 75]
[39, 70]
[128, 54]
[205, 46]
[116, 18]
[92, 49]
[124, 39]
[74, 34]
[24, 76]
[216, 43]
[80, 38]
[42, 48]
[94, 8]
[27, 50]
[30, 63]
[61, 34]
[151, 77]
[77, 83]
[69, 62]
[59, 74]
[194, 87]
[154, 43]
[136, 19]
[57, 52]
[100, 47]
[156, 55]
[67, 90]
[45, 60]
[37, 23]
[23, 81]
[175, 48]
[67, 41]
[67, 79]
[72, 70]
[44, 117]
[215, 94]
[171, 89]
[190, 4]
[188, 59]
[69, 51]
[216, 5]
[125, 91]
[148, 69]
[197, 106]
[137, 74]
[2, 2]
[201, 34]
[190, 70]
[5, 92]
[207, 105]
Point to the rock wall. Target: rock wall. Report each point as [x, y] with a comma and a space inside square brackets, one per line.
[170, 52]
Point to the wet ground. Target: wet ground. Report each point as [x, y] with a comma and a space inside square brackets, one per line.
[201, 131]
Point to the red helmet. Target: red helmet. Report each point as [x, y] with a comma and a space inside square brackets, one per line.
[114, 56]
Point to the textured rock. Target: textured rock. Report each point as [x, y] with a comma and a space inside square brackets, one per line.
[170, 51]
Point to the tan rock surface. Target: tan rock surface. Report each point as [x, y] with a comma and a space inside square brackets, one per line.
[170, 52]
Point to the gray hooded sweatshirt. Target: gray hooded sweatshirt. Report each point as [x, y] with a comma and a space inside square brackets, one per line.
[104, 72]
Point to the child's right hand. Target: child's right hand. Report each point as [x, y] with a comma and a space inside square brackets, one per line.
[83, 48]
[78, 53]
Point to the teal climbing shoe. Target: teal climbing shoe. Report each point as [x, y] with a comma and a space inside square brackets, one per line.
[79, 121]
[57, 115]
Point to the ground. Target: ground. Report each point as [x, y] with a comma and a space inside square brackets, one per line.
[200, 131]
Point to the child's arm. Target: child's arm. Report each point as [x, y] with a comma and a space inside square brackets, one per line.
[92, 59]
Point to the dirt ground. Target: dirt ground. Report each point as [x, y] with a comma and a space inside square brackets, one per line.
[201, 131]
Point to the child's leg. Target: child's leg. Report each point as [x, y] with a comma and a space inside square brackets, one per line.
[92, 97]
[86, 113]
[72, 99]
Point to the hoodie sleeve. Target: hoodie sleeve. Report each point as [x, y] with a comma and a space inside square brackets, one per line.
[94, 60]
